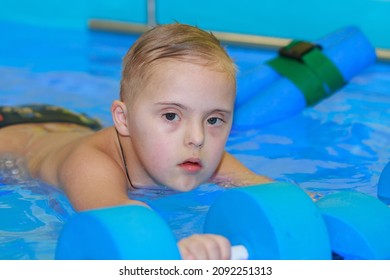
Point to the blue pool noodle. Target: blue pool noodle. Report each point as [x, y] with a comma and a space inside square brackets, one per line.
[253, 81]
[277, 98]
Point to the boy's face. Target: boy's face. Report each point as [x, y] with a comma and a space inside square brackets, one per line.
[179, 124]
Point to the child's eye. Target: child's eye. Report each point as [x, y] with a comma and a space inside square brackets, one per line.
[214, 121]
[171, 117]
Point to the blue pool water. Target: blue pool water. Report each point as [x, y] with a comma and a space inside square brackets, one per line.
[342, 143]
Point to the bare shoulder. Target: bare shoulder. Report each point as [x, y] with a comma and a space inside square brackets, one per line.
[231, 172]
[91, 174]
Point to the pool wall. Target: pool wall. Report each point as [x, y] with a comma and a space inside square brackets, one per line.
[283, 18]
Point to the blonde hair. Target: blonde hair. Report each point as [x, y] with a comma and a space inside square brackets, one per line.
[176, 41]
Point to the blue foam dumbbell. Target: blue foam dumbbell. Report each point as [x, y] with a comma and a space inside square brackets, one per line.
[272, 221]
[276, 220]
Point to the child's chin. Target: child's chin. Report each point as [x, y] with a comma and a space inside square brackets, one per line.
[187, 183]
[186, 187]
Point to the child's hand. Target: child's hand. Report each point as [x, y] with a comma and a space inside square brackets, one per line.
[204, 247]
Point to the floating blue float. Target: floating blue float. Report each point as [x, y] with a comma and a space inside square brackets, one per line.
[303, 74]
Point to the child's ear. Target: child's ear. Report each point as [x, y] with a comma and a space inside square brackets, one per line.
[119, 116]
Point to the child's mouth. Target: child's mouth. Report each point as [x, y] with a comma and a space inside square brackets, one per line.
[191, 166]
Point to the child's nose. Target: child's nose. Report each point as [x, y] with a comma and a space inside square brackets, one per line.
[195, 136]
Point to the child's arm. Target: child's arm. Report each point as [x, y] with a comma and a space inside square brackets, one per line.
[231, 172]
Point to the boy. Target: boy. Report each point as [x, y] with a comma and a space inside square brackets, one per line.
[170, 129]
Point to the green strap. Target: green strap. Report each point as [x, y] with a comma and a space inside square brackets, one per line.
[302, 77]
[325, 69]
[309, 69]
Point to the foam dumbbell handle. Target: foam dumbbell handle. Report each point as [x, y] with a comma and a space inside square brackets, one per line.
[239, 252]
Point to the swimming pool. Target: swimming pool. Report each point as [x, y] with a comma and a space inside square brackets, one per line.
[342, 143]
